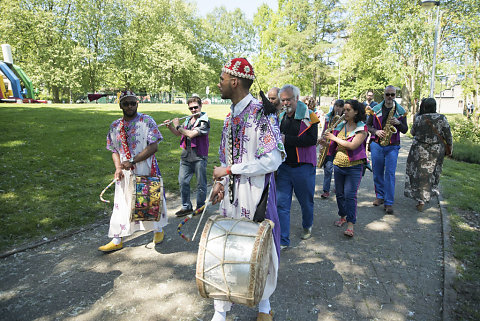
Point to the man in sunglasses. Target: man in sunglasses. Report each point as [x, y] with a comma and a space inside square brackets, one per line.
[384, 158]
[133, 141]
[194, 143]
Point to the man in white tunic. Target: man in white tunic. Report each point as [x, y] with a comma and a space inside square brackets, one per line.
[250, 151]
[133, 141]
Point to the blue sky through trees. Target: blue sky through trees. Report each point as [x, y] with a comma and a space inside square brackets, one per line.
[249, 7]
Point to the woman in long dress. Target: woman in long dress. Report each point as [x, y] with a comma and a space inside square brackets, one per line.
[431, 132]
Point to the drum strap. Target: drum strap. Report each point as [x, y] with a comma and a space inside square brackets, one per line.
[123, 139]
[261, 210]
[230, 138]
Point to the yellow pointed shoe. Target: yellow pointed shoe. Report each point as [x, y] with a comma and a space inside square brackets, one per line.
[111, 247]
[158, 237]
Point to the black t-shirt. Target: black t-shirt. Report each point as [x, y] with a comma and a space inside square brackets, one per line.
[189, 154]
[290, 127]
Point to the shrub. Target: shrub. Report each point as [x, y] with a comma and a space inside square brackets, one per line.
[465, 130]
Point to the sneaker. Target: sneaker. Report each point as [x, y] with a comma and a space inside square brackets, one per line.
[158, 237]
[111, 247]
[389, 209]
[307, 233]
[377, 202]
[420, 207]
[325, 195]
[283, 247]
[183, 212]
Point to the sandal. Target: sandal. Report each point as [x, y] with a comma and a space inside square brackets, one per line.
[419, 207]
[348, 232]
[340, 222]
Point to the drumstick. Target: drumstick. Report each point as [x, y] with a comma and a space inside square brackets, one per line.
[182, 223]
[101, 194]
[163, 124]
[200, 220]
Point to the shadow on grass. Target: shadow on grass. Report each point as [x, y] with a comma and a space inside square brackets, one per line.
[55, 165]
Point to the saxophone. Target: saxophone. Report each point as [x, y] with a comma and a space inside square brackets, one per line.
[389, 129]
[322, 153]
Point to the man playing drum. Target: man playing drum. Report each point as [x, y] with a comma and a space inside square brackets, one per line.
[133, 141]
[250, 151]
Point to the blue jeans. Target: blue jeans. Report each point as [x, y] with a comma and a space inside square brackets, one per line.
[300, 180]
[347, 182]
[185, 174]
[327, 173]
[384, 165]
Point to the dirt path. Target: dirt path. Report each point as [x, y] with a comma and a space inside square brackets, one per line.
[390, 270]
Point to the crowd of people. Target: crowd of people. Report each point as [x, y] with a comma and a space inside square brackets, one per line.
[267, 154]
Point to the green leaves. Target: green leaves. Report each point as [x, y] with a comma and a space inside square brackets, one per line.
[296, 43]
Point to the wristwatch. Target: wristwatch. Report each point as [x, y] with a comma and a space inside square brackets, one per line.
[132, 161]
[178, 127]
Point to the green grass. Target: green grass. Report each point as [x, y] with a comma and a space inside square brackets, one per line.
[54, 164]
[466, 152]
[461, 190]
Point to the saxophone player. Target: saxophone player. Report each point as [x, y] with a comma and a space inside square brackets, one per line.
[336, 112]
[385, 125]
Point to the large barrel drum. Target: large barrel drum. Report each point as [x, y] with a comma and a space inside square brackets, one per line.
[233, 258]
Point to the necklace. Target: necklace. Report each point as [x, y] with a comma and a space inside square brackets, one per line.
[347, 130]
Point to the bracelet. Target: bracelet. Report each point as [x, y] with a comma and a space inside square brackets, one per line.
[178, 127]
[229, 170]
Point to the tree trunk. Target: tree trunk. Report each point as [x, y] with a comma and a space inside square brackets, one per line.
[171, 87]
[56, 94]
[476, 110]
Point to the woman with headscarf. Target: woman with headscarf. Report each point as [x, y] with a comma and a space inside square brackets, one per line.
[432, 140]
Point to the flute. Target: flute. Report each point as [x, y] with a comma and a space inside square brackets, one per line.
[163, 124]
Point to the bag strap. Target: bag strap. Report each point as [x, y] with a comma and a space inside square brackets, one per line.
[436, 132]
[229, 143]
[123, 138]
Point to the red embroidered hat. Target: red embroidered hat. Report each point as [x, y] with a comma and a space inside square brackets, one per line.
[127, 93]
[239, 67]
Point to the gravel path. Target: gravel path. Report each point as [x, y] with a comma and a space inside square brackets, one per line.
[391, 270]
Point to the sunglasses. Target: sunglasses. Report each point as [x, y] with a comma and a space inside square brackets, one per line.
[129, 103]
[193, 107]
[390, 94]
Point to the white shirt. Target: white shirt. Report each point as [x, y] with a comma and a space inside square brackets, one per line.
[266, 163]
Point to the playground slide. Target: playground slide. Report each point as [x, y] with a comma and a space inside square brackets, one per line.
[26, 81]
[3, 90]
[15, 82]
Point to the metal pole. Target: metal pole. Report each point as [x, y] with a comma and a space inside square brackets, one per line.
[338, 94]
[432, 79]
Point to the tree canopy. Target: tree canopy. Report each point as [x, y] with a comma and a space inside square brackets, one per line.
[69, 48]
